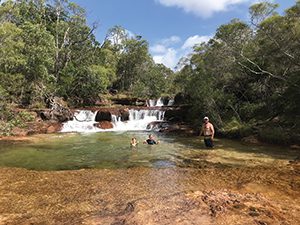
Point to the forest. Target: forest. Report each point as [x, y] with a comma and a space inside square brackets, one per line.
[246, 78]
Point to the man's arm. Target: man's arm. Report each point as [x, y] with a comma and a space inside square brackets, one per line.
[201, 131]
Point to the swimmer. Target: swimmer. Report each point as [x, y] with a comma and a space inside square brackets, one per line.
[151, 140]
[133, 142]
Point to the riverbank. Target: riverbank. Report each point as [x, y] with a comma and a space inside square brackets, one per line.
[151, 196]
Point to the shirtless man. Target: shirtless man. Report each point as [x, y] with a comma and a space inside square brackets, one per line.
[208, 131]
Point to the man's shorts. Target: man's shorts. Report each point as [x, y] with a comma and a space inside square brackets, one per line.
[208, 142]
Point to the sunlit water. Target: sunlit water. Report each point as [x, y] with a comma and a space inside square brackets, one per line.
[112, 150]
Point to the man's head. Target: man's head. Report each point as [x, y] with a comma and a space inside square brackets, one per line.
[206, 119]
[150, 136]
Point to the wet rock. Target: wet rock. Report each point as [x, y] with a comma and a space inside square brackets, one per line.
[177, 114]
[157, 125]
[54, 128]
[103, 116]
[104, 125]
[130, 101]
[124, 113]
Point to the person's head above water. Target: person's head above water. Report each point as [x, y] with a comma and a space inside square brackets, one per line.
[150, 136]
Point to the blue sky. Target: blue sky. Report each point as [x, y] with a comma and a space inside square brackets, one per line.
[171, 27]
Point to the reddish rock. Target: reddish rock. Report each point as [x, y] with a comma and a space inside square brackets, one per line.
[16, 131]
[104, 125]
[54, 128]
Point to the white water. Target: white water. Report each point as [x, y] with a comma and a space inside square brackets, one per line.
[84, 121]
[171, 102]
[138, 120]
[155, 103]
[159, 102]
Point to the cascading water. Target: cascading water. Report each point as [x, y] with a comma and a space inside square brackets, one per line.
[84, 121]
[171, 102]
[159, 102]
[155, 102]
[138, 120]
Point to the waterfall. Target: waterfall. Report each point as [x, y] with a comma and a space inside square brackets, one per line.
[171, 102]
[158, 102]
[138, 120]
[84, 121]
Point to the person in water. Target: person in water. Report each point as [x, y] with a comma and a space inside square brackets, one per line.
[151, 140]
[133, 142]
[208, 131]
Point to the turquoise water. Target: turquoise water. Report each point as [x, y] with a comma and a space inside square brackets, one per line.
[112, 150]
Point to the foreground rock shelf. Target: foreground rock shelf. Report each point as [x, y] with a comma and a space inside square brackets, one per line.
[150, 196]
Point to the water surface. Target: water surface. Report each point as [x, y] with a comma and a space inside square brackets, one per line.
[112, 150]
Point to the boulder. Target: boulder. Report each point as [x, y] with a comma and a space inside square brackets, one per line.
[54, 128]
[165, 100]
[179, 99]
[157, 125]
[104, 125]
[124, 113]
[103, 116]
[113, 91]
[61, 116]
[58, 111]
[178, 114]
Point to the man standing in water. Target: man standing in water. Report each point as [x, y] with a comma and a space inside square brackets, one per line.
[208, 131]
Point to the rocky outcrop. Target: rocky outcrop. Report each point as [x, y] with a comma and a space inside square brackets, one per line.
[37, 127]
[53, 115]
[124, 114]
[104, 125]
[177, 114]
[130, 101]
[103, 116]
[58, 111]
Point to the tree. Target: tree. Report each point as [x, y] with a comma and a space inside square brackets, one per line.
[12, 60]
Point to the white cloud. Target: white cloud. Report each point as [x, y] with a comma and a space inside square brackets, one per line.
[170, 50]
[193, 40]
[203, 8]
[158, 48]
[168, 58]
[171, 40]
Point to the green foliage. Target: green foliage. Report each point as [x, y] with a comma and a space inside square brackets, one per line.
[47, 49]
[247, 72]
